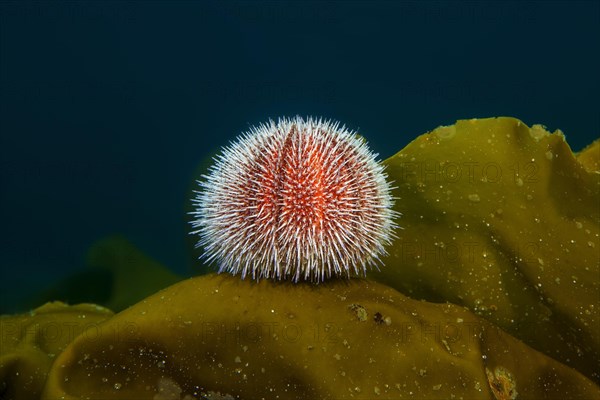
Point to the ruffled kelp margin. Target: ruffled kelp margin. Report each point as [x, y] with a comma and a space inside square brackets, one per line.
[505, 220]
[219, 335]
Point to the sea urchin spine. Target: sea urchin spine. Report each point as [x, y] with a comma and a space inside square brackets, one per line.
[297, 199]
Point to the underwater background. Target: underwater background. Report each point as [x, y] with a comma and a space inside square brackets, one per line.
[108, 108]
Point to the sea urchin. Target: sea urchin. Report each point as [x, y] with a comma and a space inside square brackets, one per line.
[297, 199]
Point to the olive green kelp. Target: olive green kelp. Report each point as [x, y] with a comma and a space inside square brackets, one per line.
[505, 220]
[29, 344]
[219, 337]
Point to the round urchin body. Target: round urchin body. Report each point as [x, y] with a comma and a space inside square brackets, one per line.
[297, 199]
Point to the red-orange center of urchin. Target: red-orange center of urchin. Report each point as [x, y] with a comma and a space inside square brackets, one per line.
[297, 199]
